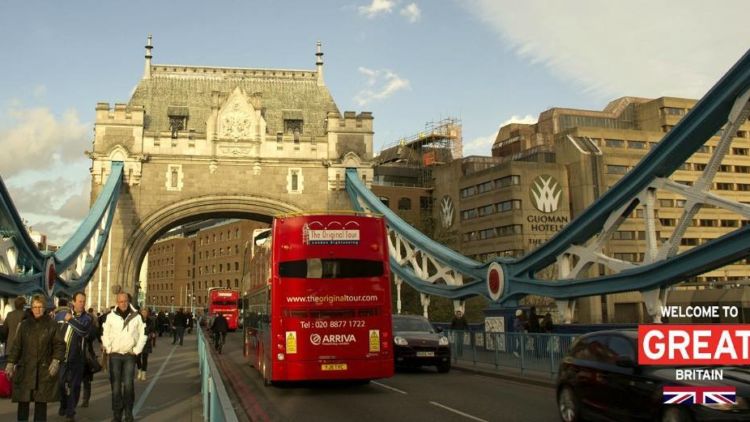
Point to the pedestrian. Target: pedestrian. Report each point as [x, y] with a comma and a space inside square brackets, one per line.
[547, 325]
[149, 326]
[76, 326]
[36, 353]
[13, 321]
[124, 338]
[189, 322]
[520, 327]
[180, 322]
[459, 326]
[162, 322]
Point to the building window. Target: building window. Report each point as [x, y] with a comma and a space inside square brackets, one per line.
[637, 144]
[725, 186]
[384, 200]
[425, 203]
[614, 143]
[615, 169]
[176, 124]
[666, 203]
[295, 180]
[292, 126]
[404, 204]
[739, 151]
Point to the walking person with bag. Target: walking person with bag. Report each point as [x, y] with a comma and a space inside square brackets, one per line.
[76, 328]
[13, 320]
[149, 326]
[34, 362]
[124, 337]
[91, 366]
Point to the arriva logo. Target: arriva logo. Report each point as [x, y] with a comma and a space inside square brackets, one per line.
[332, 339]
[545, 193]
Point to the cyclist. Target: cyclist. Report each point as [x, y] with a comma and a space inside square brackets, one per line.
[219, 328]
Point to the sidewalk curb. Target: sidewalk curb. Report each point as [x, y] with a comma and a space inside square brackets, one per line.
[516, 378]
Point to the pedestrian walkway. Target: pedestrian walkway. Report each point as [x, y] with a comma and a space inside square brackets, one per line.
[171, 393]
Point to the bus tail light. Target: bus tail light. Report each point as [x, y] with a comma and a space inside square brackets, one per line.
[280, 356]
[386, 342]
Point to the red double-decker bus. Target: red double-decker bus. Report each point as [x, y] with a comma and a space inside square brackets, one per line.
[224, 301]
[318, 301]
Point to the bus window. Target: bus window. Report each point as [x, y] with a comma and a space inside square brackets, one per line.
[331, 268]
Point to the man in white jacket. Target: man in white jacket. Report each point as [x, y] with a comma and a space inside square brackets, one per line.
[123, 338]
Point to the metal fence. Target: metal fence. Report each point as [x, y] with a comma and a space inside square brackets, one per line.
[539, 352]
[216, 404]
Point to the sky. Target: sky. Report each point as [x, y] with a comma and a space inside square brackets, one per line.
[485, 62]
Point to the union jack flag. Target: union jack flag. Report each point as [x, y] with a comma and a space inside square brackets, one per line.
[699, 395]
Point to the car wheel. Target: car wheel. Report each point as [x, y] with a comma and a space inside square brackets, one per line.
[675, 414]
[444, 367]
[567, 403]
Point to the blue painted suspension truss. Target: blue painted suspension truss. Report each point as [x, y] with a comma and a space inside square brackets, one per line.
[25, 270]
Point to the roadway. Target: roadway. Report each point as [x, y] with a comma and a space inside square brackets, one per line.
[172, 392]
[413, 395]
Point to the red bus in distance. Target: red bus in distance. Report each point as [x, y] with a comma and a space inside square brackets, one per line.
[224, 301]
[318, 304]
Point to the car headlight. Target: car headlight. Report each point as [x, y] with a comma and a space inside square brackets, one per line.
[400, 341]
[443, 341]
[741, 404]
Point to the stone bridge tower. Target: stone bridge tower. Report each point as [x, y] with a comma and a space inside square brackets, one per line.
[203, 142]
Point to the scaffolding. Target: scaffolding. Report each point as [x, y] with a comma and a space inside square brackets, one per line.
[439, 143]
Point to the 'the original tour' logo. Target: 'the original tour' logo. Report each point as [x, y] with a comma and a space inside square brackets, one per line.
[546, 193]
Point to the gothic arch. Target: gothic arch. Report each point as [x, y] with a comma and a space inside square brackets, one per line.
[189, 210]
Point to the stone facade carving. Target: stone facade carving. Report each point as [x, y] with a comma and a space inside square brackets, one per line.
[238, 120]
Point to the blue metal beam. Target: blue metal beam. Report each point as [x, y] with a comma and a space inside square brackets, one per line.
[34, 281]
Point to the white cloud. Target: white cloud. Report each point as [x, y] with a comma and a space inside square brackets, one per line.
[482, 145]
[639, 48]
[527, 119]
[59, 205]
[411, 12]
[381, 84]
[35, 139]
[377, 7]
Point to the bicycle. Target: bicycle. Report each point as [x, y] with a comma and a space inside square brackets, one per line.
[219, 340]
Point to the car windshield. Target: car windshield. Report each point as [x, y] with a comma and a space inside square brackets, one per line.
[411, 324]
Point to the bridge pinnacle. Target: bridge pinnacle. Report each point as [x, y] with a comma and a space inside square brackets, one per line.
[147, 68]
[319, 64]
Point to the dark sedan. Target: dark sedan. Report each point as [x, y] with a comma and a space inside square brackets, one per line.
[417, 343]
[600, 379]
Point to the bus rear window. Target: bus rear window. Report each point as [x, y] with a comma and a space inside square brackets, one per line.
[224, 303]
[331, 268]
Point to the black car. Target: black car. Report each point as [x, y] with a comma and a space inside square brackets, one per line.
[417, 343]
[600, 379]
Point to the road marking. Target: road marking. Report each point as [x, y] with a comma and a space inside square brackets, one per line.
[147, 391]
[389, 387]
[458, 412]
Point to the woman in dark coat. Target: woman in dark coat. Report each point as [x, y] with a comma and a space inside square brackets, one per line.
[33, 362]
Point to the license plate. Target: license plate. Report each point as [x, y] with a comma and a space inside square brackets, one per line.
[425, 354]
[333, 367]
